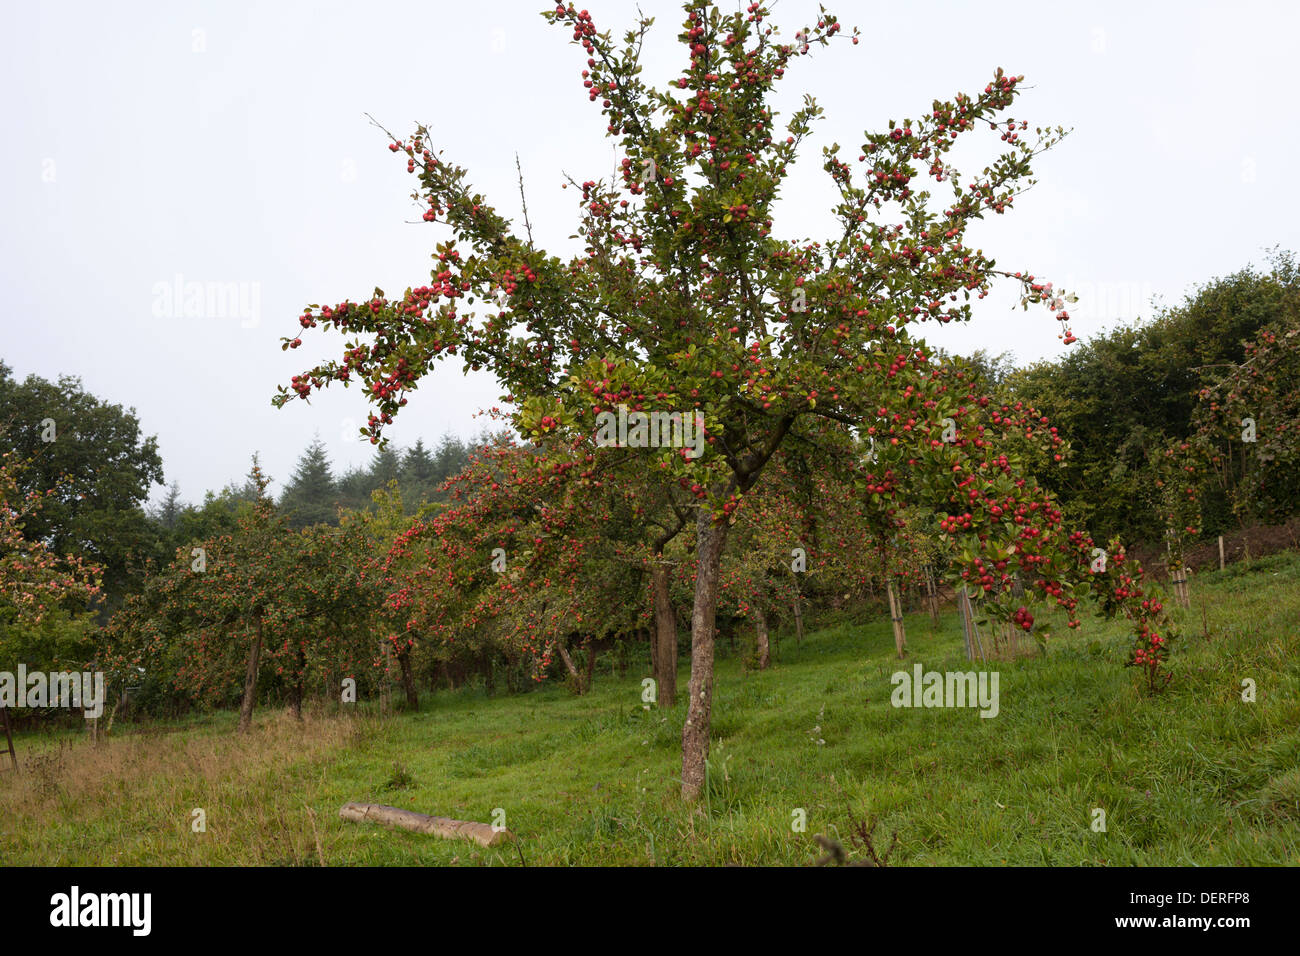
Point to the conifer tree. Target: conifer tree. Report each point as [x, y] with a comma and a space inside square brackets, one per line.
[311, 497]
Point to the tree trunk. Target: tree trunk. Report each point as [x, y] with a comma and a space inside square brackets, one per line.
[652, 638]
[9, 736]
[568, 666]
[408, 679]
[760, 634]
[296, 692]
[797, 605]
[711, 538]
[663, 653]
[591, 664]
[250, 681]
[386, 679]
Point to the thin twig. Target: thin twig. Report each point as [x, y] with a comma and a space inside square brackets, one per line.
[527, 225]
[320, 854]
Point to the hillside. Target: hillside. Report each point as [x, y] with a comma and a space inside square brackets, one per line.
[1193, 776]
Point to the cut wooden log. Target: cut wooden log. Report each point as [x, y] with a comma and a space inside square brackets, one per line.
[484, 834]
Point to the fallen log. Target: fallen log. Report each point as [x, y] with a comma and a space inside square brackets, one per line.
[484, 834]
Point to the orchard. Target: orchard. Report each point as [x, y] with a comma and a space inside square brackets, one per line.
[686, 434]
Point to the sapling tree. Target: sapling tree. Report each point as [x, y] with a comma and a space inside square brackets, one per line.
[1176, 477]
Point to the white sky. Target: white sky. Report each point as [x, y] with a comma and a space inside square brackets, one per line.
[226, 143]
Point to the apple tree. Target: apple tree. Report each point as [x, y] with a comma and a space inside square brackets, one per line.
[684, 300]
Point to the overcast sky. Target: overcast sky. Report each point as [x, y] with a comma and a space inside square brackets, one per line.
[154, 143]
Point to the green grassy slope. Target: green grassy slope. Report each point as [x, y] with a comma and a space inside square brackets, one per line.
[1194, 776]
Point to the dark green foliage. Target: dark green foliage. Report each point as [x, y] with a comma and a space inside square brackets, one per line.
[386, 466]
[419, 473]
[100, 465]
[311, 496]
[1124, 395]
[168, 513]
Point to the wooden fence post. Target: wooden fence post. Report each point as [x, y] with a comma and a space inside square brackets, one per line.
[9, 736]
[896, 615]
[933, 594]
[970, 630]
[1181, 591]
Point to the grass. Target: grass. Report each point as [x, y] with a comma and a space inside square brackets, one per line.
[1193, 776]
